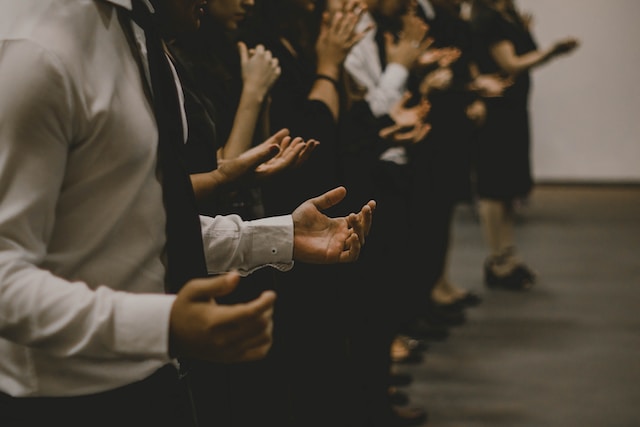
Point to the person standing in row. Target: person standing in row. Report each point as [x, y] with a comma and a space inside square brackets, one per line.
[98, 222]
[504, 44]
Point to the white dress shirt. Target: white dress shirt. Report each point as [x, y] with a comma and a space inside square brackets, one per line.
[82, 225]
[383, 88]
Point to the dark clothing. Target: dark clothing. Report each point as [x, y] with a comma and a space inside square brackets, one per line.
[502, 163]
[159, 400]
[440, 164]
[309, 347]
[208, 64]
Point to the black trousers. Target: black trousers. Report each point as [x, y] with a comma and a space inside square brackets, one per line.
[160, 400]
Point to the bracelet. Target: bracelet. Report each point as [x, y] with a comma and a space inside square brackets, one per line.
[330, 79]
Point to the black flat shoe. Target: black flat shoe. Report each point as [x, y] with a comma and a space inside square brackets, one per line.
[399, 379]
[446, 317]
[423, 330]
[405, 416]
[521, 278]
[470, 299]
[412, 358]
[398, 397]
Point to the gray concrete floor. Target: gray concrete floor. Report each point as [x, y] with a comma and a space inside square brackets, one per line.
[566, 353]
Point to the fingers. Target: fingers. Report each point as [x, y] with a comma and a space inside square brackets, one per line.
[424, 44]
[279, 136]
[262, 153]
[361, 222]
[290, 153]
[330, 198]
[306, 151]
[389, 130]
[422, 132]
[406, 96]
[246, 329]
[244, 53]
[351, 250]
[209, 288]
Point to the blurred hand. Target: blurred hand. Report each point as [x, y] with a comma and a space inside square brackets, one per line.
[449, 56]
[411, 43]
[477, 112]
[491, 85]
[409, 122]
[565, 46]
[338, 35]
[438, 79]
[202, 329]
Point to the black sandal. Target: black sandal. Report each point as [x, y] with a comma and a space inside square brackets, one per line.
[521, 278]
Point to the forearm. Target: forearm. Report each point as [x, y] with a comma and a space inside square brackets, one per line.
[327, 92]
[506, 58]
[244, 125]
[205, 185]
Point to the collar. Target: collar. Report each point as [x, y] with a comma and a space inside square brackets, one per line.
[127, 4]
[427, 7]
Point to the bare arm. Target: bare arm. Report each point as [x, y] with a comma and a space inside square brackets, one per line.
[260, 70]
[505, 56]
[337, 36]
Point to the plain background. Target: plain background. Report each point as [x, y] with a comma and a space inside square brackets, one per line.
[585, 107]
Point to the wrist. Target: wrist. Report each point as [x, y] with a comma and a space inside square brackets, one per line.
[334, 82]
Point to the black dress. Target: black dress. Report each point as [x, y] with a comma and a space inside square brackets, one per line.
[502, 162]
[440, 163]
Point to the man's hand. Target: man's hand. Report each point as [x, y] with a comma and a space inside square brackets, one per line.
[319, 239]
[202, 329]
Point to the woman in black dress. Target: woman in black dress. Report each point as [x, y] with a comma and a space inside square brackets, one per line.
[503, 44]
[310, 339]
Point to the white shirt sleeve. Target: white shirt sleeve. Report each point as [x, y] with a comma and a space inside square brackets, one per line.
[39, 309]
[245, 246]
[384, 88]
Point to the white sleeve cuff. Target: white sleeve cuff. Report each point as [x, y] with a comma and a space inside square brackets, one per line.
[244, 246]
[142, 325]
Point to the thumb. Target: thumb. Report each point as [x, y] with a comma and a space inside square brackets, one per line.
[330, 198]
[261, 153]
[244, 54]
[210, 287]
[406, 96]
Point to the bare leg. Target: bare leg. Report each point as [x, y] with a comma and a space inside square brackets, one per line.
[497, 218]
[498, 221]
[492, 214]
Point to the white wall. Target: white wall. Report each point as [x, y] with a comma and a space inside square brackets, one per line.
[585, 107]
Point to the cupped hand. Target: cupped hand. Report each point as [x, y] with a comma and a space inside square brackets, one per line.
[200, 328]
[319, 239]
[409, 124]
